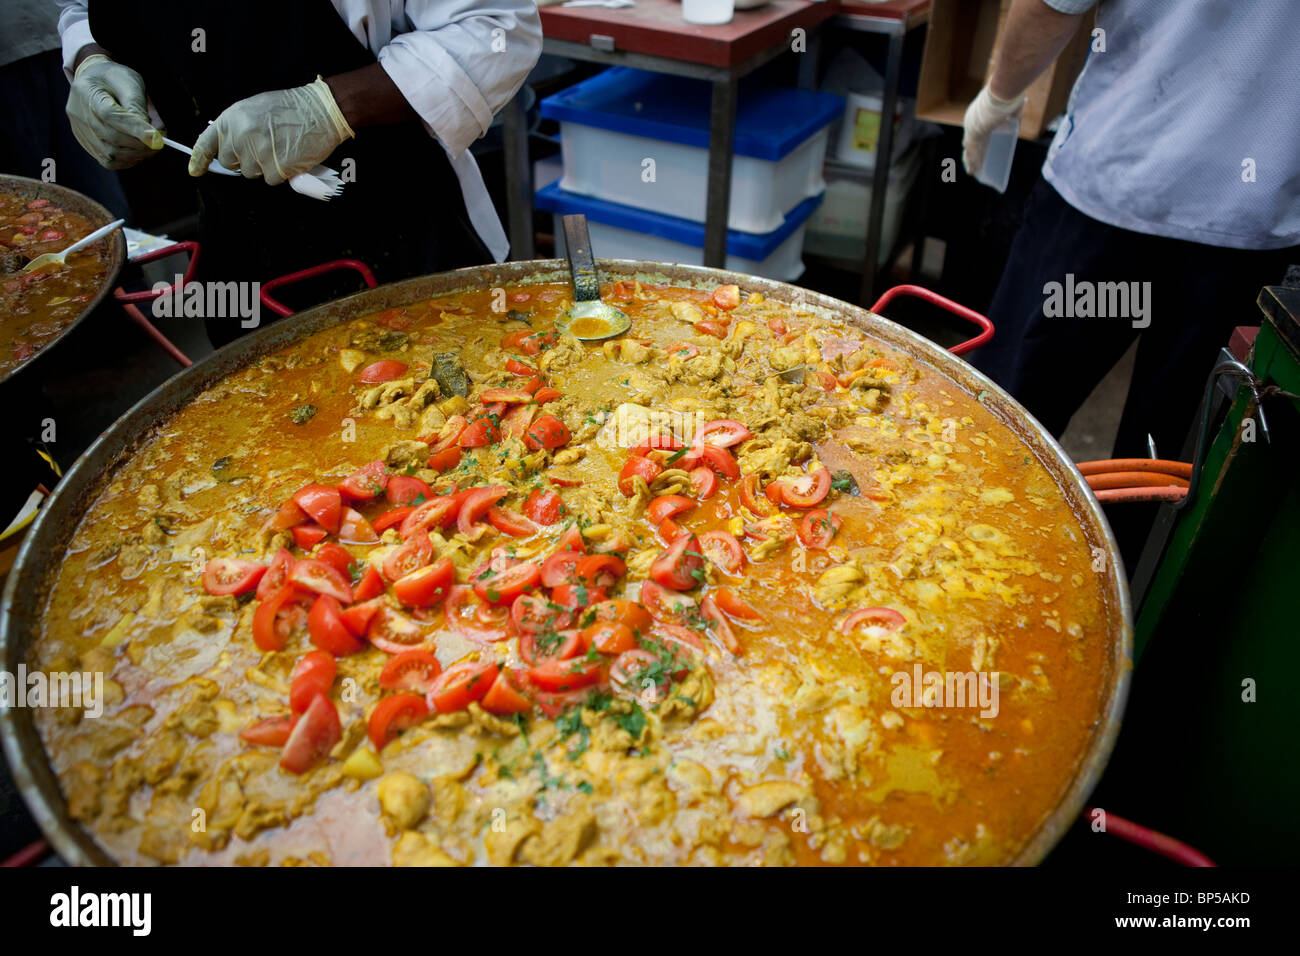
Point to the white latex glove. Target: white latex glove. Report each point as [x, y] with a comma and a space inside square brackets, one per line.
[106, 109]
[274, 135]
[985, 114]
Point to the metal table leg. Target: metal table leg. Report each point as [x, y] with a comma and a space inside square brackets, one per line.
[722, 130]
[880, 178]
[519, 178]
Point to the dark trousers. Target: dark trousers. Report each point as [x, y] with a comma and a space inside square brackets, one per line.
[1198, 293]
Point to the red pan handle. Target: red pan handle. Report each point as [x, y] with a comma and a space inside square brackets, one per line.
[948, 305]
[149, 295]
[280, 309]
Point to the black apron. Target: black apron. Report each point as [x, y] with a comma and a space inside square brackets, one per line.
[403, 215]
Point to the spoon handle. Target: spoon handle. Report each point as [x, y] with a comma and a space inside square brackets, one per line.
[95, 236]
[582, 265]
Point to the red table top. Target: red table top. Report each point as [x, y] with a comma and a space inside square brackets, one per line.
[656, 28]
[889, 10]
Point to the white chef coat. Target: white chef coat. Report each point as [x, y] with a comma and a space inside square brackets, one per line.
[456, 61]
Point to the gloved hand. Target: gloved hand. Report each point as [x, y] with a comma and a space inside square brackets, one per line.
[274, 135]
[107, 112]
[985, 114]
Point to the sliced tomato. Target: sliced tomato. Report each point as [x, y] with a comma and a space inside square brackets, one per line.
[284, 519]
[268, 732]
[734, 606]
[461, 685]
[394, 714]
[817, 529]
[355, 529]
[535, 647]
[392, 517]
[516, 367]
[366, 482]
[410, 670]
[600, 570]
[480, 432]
[719, 624]
[328, 630]
[660, 439]
[502, 587]
[667, 605]
[277, 575]
[231, 575]
[752, 499]
[534, 614]
[720, 460]
[426, 586]
[438, 512]
[393, 632]
[723, 433]
[312, 675]
[471, 618]
[560, 568]
[669, 530]
[565, 675]
[277, 617]
[336, 556]
[609, 637]
[511, 522]
[638, 673]
[885, 617]
[571, 540]
[385, 370]
[313, 736]
[575, 597]
[322, 503]
[475, 506]
[449, 434]
[544, 507]
[323, 578]
[806, 491]
[546, 432]
[710, 327]
[516, 421]
[408, 557]
[505, 696]
[722, 548]
[623, 611]
[357, 618]
[703, 482]
[547, 394]
[536, 343]
[307, 536]
[445, 460]
[681, 566]
[666, 506]
[726, 296]
[637, 466]
[405, 490]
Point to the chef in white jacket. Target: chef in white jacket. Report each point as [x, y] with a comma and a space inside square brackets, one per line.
[394, 92]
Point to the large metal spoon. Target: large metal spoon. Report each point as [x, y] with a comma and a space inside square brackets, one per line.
[590, 319]
[60, 258]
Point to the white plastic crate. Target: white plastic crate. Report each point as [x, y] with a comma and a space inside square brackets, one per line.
[839, 226]
[641, 139]
[622, 232]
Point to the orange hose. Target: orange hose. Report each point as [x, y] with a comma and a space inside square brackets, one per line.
[1134, 479]
[1129, 495]
[1180, 468]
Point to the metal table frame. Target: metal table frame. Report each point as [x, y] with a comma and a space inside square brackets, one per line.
[896, 30]
[722, 130]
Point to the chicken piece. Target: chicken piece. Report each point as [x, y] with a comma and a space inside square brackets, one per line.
[770, 798]
[403, 799]
[416, 849]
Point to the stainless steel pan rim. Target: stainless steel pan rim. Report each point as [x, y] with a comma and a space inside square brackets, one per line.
[41, 553]
[97, 215]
